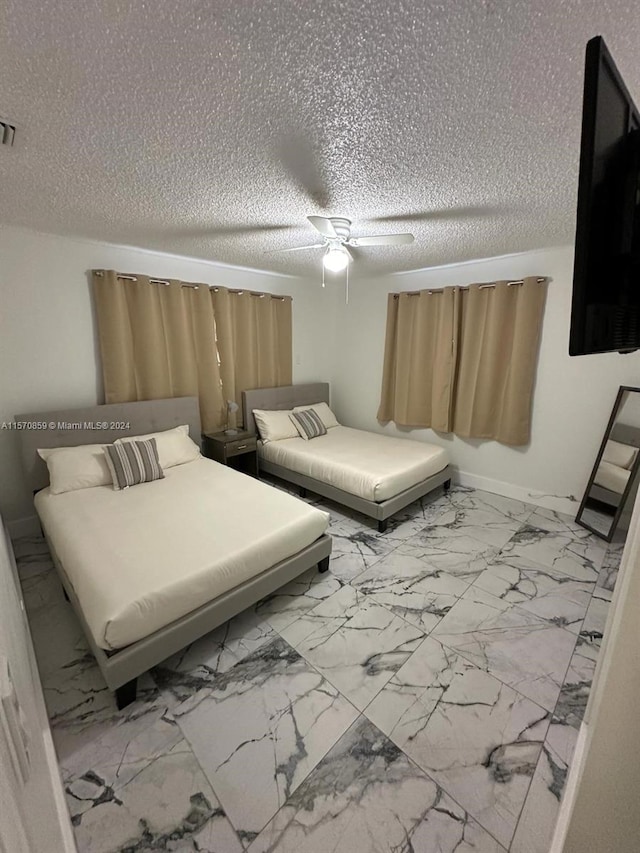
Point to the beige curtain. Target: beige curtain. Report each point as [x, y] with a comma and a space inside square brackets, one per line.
[500, 331]
[465, 361]
[169, 340]
[419, 359]
[158, 340]
[254, 334]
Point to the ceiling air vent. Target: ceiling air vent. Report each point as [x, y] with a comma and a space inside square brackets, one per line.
[7, 133]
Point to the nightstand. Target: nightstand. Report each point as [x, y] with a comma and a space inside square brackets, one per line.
[239, 451]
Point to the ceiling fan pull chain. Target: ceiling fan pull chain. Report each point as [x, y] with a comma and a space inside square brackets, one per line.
[323, 275]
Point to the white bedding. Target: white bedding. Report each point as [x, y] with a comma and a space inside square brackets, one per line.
[140, 558]
[372, 466]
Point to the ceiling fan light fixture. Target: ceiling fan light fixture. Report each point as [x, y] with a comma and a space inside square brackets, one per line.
[336, 259]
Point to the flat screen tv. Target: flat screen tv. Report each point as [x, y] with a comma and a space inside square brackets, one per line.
[605, 309]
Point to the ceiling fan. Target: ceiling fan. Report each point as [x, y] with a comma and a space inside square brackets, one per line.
[336, 238]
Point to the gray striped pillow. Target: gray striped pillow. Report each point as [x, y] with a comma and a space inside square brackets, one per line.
[308, 424]
[133, 462]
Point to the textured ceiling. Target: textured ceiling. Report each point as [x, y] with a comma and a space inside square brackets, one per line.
[214, 128]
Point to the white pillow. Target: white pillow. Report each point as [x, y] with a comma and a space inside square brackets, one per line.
[72, 468]
[174, 446]
[617, 453]
[612, 477]
[274, 425]
[324, 413]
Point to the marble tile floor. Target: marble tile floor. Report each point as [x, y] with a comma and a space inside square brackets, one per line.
[425, 694]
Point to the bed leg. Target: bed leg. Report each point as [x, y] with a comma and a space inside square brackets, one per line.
[126, 694]
[446, 485]
[302, 492]
[382, 525]
[323, 565]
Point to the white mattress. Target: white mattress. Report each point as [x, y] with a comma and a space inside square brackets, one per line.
[612, 477]
[140, 558]
[372, 466]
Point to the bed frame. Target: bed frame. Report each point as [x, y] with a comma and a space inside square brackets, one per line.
[288, 396]
[71, 427]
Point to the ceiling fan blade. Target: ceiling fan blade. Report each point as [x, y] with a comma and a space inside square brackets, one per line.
[357, 255]
[296, 248]
[382, 240]
[324, 226]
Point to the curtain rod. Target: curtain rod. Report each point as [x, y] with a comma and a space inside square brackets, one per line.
[481, 287]
[100, 274]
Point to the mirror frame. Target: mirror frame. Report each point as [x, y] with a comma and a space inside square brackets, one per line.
[625, 495]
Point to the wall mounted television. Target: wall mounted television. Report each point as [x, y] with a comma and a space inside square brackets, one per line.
[605, 308]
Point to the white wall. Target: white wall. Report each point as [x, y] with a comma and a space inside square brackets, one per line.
[573, 396]
[48, 354]
[48, 357]
[33, 814]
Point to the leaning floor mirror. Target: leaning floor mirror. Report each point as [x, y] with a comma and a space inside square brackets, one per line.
[610, 494]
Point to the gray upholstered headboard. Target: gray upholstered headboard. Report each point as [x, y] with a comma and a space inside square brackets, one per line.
[70, 427]
[285, 397]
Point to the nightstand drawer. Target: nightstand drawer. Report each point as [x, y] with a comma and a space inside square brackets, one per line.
[242, 445]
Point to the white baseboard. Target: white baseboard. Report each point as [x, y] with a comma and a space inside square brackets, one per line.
[559, 503]
[29, 526]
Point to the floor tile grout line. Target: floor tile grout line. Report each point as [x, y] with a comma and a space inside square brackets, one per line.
[427, 773]
[428, 634]
[540, 757]
[552, 571]
[326, 677]
[547, 713]
[524, 803]
[400, 616]
[493, 675]
[446, 645]
[321, 676]
[204, 773]
[529, 613]
[441, 787]
[550, 713]
[362, 714]
[359, 713]
[591, 597]
[553, 715]
[514, 604]
[497, 677]
[548, 620]
[548, 569]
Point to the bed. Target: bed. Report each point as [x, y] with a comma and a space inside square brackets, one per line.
[154, 567]
[374, 474]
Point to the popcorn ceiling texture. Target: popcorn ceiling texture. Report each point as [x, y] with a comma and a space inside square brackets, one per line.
[176, 125]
